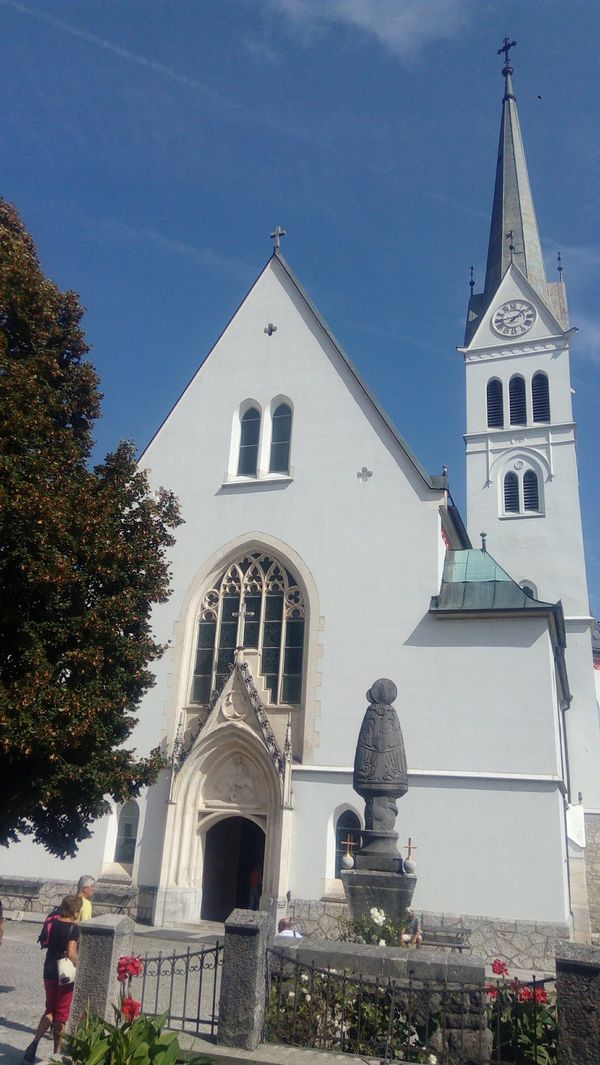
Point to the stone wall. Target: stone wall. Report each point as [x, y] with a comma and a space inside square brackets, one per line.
[578, 996]
[112, 896]
[521, 944]
[592, 867]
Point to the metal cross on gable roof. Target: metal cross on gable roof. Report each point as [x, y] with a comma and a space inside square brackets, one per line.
[276, 236]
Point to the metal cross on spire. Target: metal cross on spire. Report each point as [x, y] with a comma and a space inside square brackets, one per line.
[506, 47]
[276, 236]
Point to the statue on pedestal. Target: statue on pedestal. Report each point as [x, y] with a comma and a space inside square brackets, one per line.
[380, 778]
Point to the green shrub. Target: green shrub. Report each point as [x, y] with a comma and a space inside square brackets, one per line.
[140, 1041]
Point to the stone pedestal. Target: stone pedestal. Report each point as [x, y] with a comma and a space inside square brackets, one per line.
[103, 941]
[578, 996]
[248, 934]
[366, 888]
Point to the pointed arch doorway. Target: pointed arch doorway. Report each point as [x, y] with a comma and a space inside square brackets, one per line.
[234, 849]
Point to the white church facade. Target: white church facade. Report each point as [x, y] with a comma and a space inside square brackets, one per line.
[318, 555]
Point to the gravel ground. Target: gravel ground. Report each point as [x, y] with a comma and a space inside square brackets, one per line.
[22, 988]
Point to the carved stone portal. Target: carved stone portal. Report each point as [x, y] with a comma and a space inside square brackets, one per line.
[237, 783]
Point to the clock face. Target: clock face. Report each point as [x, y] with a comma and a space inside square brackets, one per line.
[514, 318]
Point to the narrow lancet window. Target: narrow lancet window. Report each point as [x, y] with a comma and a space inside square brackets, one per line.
[540, 394]
[281, 437]
[249, 437]
[495, 404]
[347, 838]
[518, 402]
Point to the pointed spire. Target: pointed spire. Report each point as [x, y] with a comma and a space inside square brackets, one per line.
[513, 211]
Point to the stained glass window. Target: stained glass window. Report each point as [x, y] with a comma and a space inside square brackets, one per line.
[257, 603]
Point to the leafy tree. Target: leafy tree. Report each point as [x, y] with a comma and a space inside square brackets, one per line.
[82, 561]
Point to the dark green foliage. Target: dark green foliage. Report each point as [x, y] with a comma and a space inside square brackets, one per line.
[82, 561]
[139, 1042]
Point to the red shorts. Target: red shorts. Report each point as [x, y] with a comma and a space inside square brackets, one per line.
[58, 1000]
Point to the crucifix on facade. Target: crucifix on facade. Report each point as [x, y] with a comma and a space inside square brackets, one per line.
[242, 614]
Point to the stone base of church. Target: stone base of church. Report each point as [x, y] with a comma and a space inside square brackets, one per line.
[177, 906]
[592, 868]
[528, 945]
[41, 896]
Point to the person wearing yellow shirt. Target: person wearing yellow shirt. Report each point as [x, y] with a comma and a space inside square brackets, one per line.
[85, 890]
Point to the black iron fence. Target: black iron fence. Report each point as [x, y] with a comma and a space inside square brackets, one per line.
[523, 1020]
[412, 1021]
[393, 1021]
[185, 987]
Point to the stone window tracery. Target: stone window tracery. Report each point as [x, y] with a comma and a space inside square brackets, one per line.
[256, 603]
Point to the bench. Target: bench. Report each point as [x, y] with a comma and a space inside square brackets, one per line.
[455, 937]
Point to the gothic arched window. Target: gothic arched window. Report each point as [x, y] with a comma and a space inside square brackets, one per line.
[511, 493]
[257, 603]
[540, 395]
[127, 833]
[249, 437]
[517, 400]
[347, 829]
[531, 494]
[495, 404]
[281, 438]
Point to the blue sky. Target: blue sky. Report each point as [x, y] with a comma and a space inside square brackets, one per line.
[152, 145]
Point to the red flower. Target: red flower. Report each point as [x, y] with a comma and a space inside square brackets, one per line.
[491, 990]
[541, 995]
[525, 994]
[130, 1009]
[129, 965]
[499, 968]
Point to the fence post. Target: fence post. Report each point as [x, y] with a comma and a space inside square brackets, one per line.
[578, 997]
[248, 934]
[103, 941]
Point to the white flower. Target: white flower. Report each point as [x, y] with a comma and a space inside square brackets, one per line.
[381, 943]
[432, 1060]
[378, 916]
[291, 994]
[304, 978]
[308, 998]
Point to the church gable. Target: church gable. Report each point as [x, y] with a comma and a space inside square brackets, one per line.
[276, 378]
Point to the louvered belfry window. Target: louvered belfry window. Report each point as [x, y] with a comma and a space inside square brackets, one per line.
[531, 495]
[540, 394]
[511, 493]
[517, 400]
[256, 603]
[495, 404]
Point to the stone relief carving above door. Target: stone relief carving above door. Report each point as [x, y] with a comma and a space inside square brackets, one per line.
[236, 783]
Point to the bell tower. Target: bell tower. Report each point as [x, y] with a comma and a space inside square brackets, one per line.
[522, 485]
[522, 481]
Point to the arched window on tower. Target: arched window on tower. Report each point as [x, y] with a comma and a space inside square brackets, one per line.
[517, 400]
[347, 829]
[495, 404]
[257, 603]
[281, 437]
[249, 437]
[540, 395]
[511, 493]
[127, 830]
[531, 493]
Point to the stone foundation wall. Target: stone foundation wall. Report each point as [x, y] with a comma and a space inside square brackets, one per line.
[111, 896]
[525, 945]
[592, 868]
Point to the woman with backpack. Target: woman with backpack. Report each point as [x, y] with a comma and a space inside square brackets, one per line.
[63, 942]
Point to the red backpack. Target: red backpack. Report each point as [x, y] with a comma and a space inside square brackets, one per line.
[44, 936]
